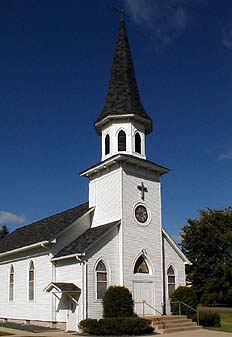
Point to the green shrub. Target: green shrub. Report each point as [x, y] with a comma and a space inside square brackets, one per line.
[186, 295]
[117, 302]
[116, 326]
[208, 318]
[89, 325]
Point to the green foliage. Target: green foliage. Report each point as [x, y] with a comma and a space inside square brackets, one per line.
[186, 295]
[207, 242]
[117, 302]
[116, 326]
[3, 231]
[208, 319]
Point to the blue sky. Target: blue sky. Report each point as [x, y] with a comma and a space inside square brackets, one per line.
[55, 61]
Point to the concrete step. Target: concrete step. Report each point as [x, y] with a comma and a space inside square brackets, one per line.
[168, 324]
[184, 324]
[179, 329]
[167, 318]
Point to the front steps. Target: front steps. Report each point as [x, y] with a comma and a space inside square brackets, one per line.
[168, 324]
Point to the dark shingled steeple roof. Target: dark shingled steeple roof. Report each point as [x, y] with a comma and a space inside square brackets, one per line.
[123, 94]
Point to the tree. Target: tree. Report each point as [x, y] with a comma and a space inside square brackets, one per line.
[3, 231]
[207, 242]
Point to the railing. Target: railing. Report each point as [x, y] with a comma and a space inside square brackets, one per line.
[188, 306]
[150, 306]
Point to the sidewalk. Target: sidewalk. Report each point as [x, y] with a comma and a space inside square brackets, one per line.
[196, 333]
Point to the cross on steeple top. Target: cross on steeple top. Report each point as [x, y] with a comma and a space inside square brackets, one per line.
[121, 12]
[142, 189]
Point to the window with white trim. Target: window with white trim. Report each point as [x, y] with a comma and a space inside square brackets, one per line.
[101, 278]
[107, 144]
[11, 283]
[121, 141]
[31, 282]
[141, 266]
[171, 281]
[137, 143]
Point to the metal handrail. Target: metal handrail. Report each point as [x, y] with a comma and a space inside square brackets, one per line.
[179, 303]
[149, 305]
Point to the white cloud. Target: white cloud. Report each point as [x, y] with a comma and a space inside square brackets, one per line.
[10, 218]
[166, 20]
[227, 35]
[227, 155]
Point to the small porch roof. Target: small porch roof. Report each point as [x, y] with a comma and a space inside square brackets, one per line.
[63, 287]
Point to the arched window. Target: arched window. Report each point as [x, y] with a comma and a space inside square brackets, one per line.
[101, 277]
[11, 283]
[121, 141]
[141, 266]
[31, 282]
[137, 143]
[171, 281]
[107, 144]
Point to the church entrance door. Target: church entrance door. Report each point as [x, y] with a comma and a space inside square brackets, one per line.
[143, 294]
[71, 316]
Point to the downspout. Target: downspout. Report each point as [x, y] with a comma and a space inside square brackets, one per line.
[84, 287]
[86, 290]
[53, 298]
[164, 278]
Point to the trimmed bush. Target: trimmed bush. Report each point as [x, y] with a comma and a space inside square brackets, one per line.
[207, 319]
[117, 302]
[186, 295]
[116, 326]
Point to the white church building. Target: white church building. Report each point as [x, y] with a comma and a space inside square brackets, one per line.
[54, 272]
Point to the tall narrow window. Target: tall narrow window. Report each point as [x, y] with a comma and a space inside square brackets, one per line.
[141, 266]
[101, 276]
[121, 141]
[171, 281]
[107, 144]
[137, 143]
[31, 285]
[11, 284]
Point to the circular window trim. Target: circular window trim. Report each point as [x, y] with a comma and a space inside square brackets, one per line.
[143, 224]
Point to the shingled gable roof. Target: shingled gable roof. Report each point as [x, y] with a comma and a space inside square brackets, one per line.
[85, 240]
[123, 94]
[44, 230]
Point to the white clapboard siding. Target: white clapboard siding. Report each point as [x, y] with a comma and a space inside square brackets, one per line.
[108, 250]
[172, 258]
[105, 194]
[137, 237]
[21, 307]
[68, 271]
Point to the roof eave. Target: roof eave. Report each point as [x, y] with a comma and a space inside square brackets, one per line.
[176, 248]
[42, 244]
[71, 256]
[124, 158]
[99, 124]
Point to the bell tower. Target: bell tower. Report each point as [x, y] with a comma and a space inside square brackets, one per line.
[123, 123]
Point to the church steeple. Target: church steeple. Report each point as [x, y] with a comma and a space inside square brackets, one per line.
[122, 104]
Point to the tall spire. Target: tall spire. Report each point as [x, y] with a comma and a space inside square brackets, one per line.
[123, 94]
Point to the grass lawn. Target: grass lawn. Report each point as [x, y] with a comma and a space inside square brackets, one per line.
[226, 322]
